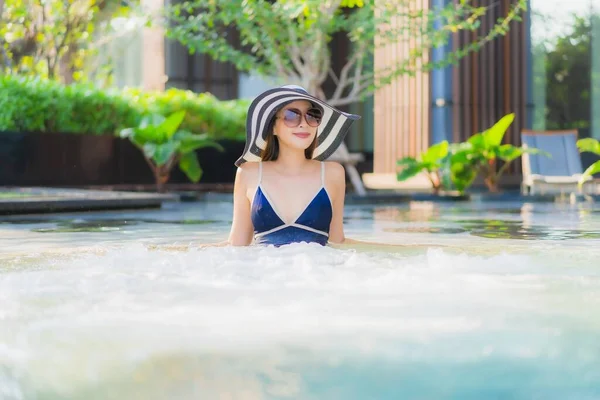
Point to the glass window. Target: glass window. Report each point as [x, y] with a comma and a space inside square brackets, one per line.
[565, 56]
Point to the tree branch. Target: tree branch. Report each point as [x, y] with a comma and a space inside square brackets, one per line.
[295, 52]
[343, 80]
[358, 71]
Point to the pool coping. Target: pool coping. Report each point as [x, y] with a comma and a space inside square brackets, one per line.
[30, 200]
[392, 197]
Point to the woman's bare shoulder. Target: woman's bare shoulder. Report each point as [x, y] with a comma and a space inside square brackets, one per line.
[247, 173]
[334, 171]
[248, 169]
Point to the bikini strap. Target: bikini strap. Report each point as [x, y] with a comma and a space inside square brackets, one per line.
[322, 173]
[259, 173]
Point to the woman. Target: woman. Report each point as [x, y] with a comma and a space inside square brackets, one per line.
[283, 192]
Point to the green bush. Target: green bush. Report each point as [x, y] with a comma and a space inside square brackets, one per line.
[204, 112]
[38, 105]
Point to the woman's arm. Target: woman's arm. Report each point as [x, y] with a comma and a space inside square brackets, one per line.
[241, 227]
[335, 182]
[336, 186]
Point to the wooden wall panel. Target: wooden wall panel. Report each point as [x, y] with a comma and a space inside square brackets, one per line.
[401, 109]
[491, 83]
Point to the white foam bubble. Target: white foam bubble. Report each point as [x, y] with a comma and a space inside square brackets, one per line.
[89, 315]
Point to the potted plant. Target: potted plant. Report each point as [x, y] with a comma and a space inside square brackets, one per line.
[592, 146]
[429, 162]
[482, 151]
[164, 145]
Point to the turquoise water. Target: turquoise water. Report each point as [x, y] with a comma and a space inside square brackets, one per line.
[473, 301]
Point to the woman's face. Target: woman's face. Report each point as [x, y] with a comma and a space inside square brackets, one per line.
[294, 127]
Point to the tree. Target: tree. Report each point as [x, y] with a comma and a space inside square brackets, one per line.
[55, 38]
[289, 39]
[569, 66]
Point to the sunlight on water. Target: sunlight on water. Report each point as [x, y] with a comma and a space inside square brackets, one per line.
[114, 319]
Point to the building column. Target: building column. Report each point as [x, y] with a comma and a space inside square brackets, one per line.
[441, 87]
[153, 50]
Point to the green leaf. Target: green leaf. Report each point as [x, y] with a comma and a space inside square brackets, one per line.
[477, 142]
[408, 161]
[591, 170]
[493, 136]
[409, 172]
[189, 165]
[508, 152]
[436, 152]
[126, 133]
[462, 175]
[589, 145]
[164, 152]
[170, 125]
[192, 142]
[152, 120]
[149, 150]
[145, 135]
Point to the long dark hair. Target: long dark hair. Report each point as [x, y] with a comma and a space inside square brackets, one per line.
[271, 151]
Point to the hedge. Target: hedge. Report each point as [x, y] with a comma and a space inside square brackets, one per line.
[37, 105]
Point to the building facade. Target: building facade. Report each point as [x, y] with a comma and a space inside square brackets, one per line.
[546, 70]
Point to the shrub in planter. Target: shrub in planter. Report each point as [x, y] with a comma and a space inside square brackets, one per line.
[592, 146]
[164, 145]
[482, 151]
[37, 105]
[205, 114]
[430, 161]
[463, 162]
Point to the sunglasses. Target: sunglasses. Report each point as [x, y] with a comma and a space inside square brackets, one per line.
[293, 116]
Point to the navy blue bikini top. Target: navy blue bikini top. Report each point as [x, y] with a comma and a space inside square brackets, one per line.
[312, 225]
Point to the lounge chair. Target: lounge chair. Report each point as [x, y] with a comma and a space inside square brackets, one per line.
[560, 171]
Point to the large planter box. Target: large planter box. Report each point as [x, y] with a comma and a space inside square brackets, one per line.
[61, 159]
[53, 159]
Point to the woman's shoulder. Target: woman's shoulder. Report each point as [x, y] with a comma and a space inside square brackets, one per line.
[335, 170]
[335, 174]
[248, 171]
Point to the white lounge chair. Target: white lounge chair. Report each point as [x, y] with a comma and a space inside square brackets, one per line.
[559, 172]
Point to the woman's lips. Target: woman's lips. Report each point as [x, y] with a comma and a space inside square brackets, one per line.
[302, 135]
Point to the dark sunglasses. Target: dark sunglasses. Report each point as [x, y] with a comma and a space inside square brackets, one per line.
[292, 117]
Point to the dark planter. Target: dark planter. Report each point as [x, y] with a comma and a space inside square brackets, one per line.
[442, 196]
[64, 159]
[56, 159]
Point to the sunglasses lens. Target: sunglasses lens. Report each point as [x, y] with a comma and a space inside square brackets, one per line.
[291, 118]
[314, 116]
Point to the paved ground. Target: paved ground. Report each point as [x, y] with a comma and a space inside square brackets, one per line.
[44, 200]
[15, 200]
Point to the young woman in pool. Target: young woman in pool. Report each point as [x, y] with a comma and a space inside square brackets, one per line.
[283, 192]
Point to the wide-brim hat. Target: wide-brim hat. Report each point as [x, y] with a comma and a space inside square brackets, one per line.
[330, 134]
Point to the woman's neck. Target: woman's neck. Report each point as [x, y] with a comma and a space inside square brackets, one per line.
[292, 160]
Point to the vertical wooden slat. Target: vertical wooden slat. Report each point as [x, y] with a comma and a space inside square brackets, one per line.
[401, 108]
[378, 112]
[491, 78]
[491, 83]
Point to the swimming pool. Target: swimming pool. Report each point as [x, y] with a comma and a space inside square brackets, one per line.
[481, 301]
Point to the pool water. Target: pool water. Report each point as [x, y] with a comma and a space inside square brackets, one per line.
[472, 301]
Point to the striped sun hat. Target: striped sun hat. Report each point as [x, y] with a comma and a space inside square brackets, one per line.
[330, 134]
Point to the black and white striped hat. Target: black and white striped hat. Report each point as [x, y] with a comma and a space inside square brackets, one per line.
[330, 134]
